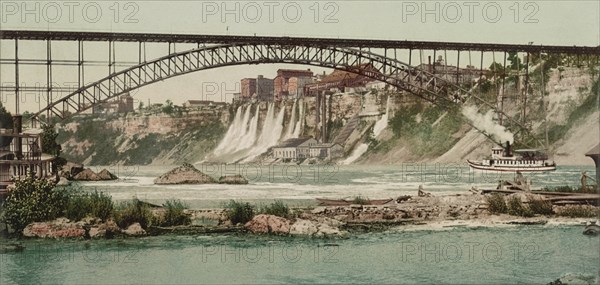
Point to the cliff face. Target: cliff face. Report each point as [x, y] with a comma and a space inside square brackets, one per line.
[142, 139]
[415, 132]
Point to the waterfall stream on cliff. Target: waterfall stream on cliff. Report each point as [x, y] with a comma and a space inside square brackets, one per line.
[242, 141]
[232, 132]
[247, 141]
[271, 133]
[300, 121]
[356, 153]
[292, 124]
[382, 123]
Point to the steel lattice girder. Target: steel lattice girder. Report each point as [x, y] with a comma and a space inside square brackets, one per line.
[398, 74]
[299, 41]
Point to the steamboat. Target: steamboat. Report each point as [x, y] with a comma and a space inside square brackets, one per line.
[523, 160]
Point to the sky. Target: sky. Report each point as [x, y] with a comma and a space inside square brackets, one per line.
[516, 22]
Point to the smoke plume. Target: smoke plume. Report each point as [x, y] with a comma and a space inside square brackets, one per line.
[485, 122]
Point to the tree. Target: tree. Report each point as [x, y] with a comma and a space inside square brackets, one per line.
[33, 200]
[168, 108]
[50, 146]
[6, 122]
[141, 106]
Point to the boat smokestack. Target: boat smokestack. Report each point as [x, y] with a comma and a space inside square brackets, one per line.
[508, 150]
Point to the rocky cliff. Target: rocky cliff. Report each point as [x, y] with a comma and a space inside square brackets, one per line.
[415, 131]
[140, 139]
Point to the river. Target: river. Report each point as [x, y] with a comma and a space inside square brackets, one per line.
[501, 255]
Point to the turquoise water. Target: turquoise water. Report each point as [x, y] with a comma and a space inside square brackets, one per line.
[534, 254]
[299, 185]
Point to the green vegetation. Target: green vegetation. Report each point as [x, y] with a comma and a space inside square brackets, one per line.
[33, 200]
[540, 206]
[6, 122]
[432, 135]
[579, 211]
[577, 114]
[512, 205]
[168, 108]
[277, 208]
[496, 204]
[359, 200]
[38, 200]
[565, 188]
[82, 204]
[239, 212]
[175, 215]
[516, 207]
[134, 211]
[50, 146]
[104, 140]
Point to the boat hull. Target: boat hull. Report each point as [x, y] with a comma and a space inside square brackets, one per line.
[479, 166]
[341, 202]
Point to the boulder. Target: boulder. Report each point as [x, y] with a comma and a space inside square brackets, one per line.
[72, 168]
[185, 174]
[134, 230]
[104, 230]
[59, 228]
[327, 230]
[303, 227]
[268, 224]
[106, 175]
[234, 179]
[87, 175]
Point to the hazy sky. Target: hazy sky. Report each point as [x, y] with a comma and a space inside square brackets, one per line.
[519, 22]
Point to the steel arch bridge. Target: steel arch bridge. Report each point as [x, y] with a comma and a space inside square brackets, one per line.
[407, 78]
[344, 54]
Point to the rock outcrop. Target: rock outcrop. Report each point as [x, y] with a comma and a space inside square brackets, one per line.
[234, 179]
[185, 174]
[106, 175]
[324, 228]
[303, 227]
[59, 228]
[135, 230]
[70, 169]
[268, 224]
[104, 230]
[87, 175]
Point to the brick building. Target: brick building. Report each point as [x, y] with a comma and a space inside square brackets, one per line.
[260, 88]
[338, 80]
[290, 82]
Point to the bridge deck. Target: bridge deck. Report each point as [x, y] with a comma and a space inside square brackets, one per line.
[318, 42]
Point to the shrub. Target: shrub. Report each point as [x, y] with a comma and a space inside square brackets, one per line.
[579, 211]
[33, 200]
[130, 212]
[565, 188]
[516, 207]
[175, 216]
[496, 204]
[95, 204]
[278, 208]
[239, 212]
[540, 206]
[359, 200]
[6, 122]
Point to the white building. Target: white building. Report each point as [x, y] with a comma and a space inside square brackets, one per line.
[327, 151]
[289, 148]
[307, 148]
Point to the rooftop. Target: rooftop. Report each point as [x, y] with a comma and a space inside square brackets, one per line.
[595, 151]
[294, 142]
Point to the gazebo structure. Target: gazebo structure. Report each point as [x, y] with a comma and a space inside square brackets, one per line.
[594, 153]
